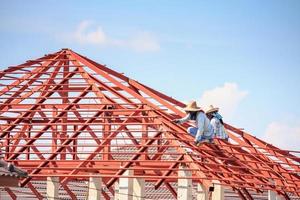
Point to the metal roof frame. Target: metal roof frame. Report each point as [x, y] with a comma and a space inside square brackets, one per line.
[65, 115]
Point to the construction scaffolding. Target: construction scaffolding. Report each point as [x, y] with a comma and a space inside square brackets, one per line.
[85, 131]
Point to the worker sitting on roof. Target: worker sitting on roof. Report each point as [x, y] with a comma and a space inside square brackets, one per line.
[203, 131]
[217, 123]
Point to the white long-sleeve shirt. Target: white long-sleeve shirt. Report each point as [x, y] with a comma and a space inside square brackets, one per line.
[202, 123]
[219, 130]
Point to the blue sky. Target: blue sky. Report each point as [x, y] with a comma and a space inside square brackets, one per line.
[245, 54]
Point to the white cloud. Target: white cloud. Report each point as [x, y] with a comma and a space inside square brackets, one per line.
[84, 36]
[226, 97]
[285, 135]
[88, 33]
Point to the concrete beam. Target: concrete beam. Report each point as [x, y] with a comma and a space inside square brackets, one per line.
[185, 186]
[202, 193]
[126, 187]
[94, 189]
[52, 188]
[218, 193]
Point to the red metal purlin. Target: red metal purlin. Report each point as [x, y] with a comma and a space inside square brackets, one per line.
[65, 115]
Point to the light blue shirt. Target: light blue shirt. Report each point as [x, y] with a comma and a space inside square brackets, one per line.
[202, 123]
[219, 130]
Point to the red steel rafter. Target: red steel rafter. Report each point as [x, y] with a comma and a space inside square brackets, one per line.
[65, 115]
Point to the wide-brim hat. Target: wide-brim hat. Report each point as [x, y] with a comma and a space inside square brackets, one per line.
[212, 109]
[192, 106]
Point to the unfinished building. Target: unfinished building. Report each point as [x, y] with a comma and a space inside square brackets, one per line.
[84, 131]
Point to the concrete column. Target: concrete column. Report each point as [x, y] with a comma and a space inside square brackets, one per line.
[202, 193]
[273, 195]
[218, 193]
[138, 189]
[95, 187]
[116, 186]
[126, 187]
[185, 186]
[52, 188]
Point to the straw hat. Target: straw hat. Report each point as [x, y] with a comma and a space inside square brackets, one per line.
[211, 109]
[192, 106]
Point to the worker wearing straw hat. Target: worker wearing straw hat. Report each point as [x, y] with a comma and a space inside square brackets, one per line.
[217, 122]
[203, 131]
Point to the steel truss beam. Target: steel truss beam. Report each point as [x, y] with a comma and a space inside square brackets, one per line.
[65, 115]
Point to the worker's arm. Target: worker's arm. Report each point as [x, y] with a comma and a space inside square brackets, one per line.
[200, 122]
[182, 120]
